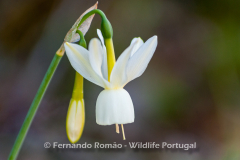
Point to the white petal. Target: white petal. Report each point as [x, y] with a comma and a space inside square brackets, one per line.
[104, 64]
[118, 76]
[78, 57]
[137, 46]
[99, 33]
[138, 63]
[75, 120]
[114, 107]
[96, 55]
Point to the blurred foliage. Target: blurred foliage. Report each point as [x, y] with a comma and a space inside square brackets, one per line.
[24, 22]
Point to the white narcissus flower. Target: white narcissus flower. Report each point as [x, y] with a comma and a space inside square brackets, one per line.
[114, 104]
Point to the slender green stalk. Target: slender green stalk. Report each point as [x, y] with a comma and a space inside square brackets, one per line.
[106, 27]
[34, 107]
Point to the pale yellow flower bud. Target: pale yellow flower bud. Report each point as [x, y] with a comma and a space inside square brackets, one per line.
[75, 119]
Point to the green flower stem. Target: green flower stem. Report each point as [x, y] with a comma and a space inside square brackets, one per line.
[106, 27]
[82, 41]
[78, 87]
[34, 107]
[78, 84]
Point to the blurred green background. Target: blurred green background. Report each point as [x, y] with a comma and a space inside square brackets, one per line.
[189, 93]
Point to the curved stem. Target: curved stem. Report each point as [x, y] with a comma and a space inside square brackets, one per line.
[33, 108]
[106, 27]
[95, 11]
[82, 41]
